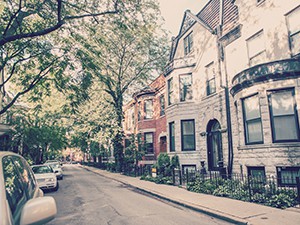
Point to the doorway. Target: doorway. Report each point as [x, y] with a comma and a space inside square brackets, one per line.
[214, 144]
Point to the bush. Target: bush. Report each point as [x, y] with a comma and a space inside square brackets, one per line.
[282, 199]
[158, 179]
[240, 191]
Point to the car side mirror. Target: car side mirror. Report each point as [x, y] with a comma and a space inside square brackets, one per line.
[56, 171]
[38, 211]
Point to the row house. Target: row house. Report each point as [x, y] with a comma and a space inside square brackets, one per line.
[144, 116]
[233, 88]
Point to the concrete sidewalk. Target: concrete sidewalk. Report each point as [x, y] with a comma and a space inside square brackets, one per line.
[231, 210]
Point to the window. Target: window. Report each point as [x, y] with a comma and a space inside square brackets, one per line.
[172, 136]
[188, 43]
[148, 108]
[283, 113]
[139, 111]
[163, 144]
[26, 175]
[256, 171]
[13, 186]
[148, 138]
[257, 176]
[188, 135]
[130, 118]
[252, 120]
[256, 49]
[293, 19]
[170, 91]
[162, 105]
[185, 82]
[210, 79]
[287, 175]
[188, 169]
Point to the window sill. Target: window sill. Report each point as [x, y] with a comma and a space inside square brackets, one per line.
[210, 96]
[273, 145]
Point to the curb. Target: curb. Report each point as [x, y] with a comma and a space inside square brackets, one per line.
[207, 211]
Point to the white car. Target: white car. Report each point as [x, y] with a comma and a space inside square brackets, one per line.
[45, 177]
[21, 199]
[57, 169]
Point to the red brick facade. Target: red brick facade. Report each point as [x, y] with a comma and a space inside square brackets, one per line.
[152, 121]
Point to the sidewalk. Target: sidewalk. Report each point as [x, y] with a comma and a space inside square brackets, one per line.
[231, 210]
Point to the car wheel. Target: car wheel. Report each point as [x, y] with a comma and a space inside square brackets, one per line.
[57, 186]
[61, 177]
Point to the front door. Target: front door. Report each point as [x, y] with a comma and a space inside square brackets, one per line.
[214, 144]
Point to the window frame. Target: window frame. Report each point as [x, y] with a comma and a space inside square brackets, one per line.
[245, 121]
[190, 167]
[146, 143]
[251, 57]
[146, 115]
[170, 91]
[172, 137]
[279, 175]
[188, 43]
[139, 111]
[22, 198]
[210, 76]
[181, 87]
[162, 105]
[295, 115]
[183, 148]
[290, 34]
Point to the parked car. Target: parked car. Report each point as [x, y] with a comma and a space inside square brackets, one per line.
[21, 199]
[45, 176]
[53, 161]
[56, 168]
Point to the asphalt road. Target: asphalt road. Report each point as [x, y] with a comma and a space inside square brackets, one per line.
[85, 198]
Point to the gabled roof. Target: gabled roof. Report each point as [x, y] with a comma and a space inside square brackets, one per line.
[213, 14]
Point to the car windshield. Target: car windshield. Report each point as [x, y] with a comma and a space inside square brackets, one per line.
[42, 169]
[54, 165]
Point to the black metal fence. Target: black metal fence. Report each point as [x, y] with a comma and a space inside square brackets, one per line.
[268, 190]
[260, 189]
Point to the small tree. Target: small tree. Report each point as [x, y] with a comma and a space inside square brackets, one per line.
[134, 152]
[175, 162]
[163, 164]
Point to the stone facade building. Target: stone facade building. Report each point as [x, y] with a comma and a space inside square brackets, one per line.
[145, 116]
[233, 88]
[263, 66]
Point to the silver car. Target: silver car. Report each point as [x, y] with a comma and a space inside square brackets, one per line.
[45, 177]
[56, 168]
[21, 199]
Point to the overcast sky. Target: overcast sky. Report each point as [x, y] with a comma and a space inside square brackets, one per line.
[173, 11]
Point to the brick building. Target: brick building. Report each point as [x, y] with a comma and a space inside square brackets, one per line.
[233, 87]
[145, 115]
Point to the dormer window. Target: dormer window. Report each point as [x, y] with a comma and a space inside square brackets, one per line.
[188, 43]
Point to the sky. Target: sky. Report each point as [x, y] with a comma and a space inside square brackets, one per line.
[173, 12]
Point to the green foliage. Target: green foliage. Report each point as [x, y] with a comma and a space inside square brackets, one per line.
[235, 189]
[38, 138]
[158, 180]
[175, 162]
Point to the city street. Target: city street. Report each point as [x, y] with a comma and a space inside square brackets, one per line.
[88, 198]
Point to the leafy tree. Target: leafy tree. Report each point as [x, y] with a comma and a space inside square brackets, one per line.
[33, 53]
[134, 152]
[37, 138]
[175, 162]
[123, 55]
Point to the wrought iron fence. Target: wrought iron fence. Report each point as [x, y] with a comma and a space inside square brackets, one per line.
[260, 189]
